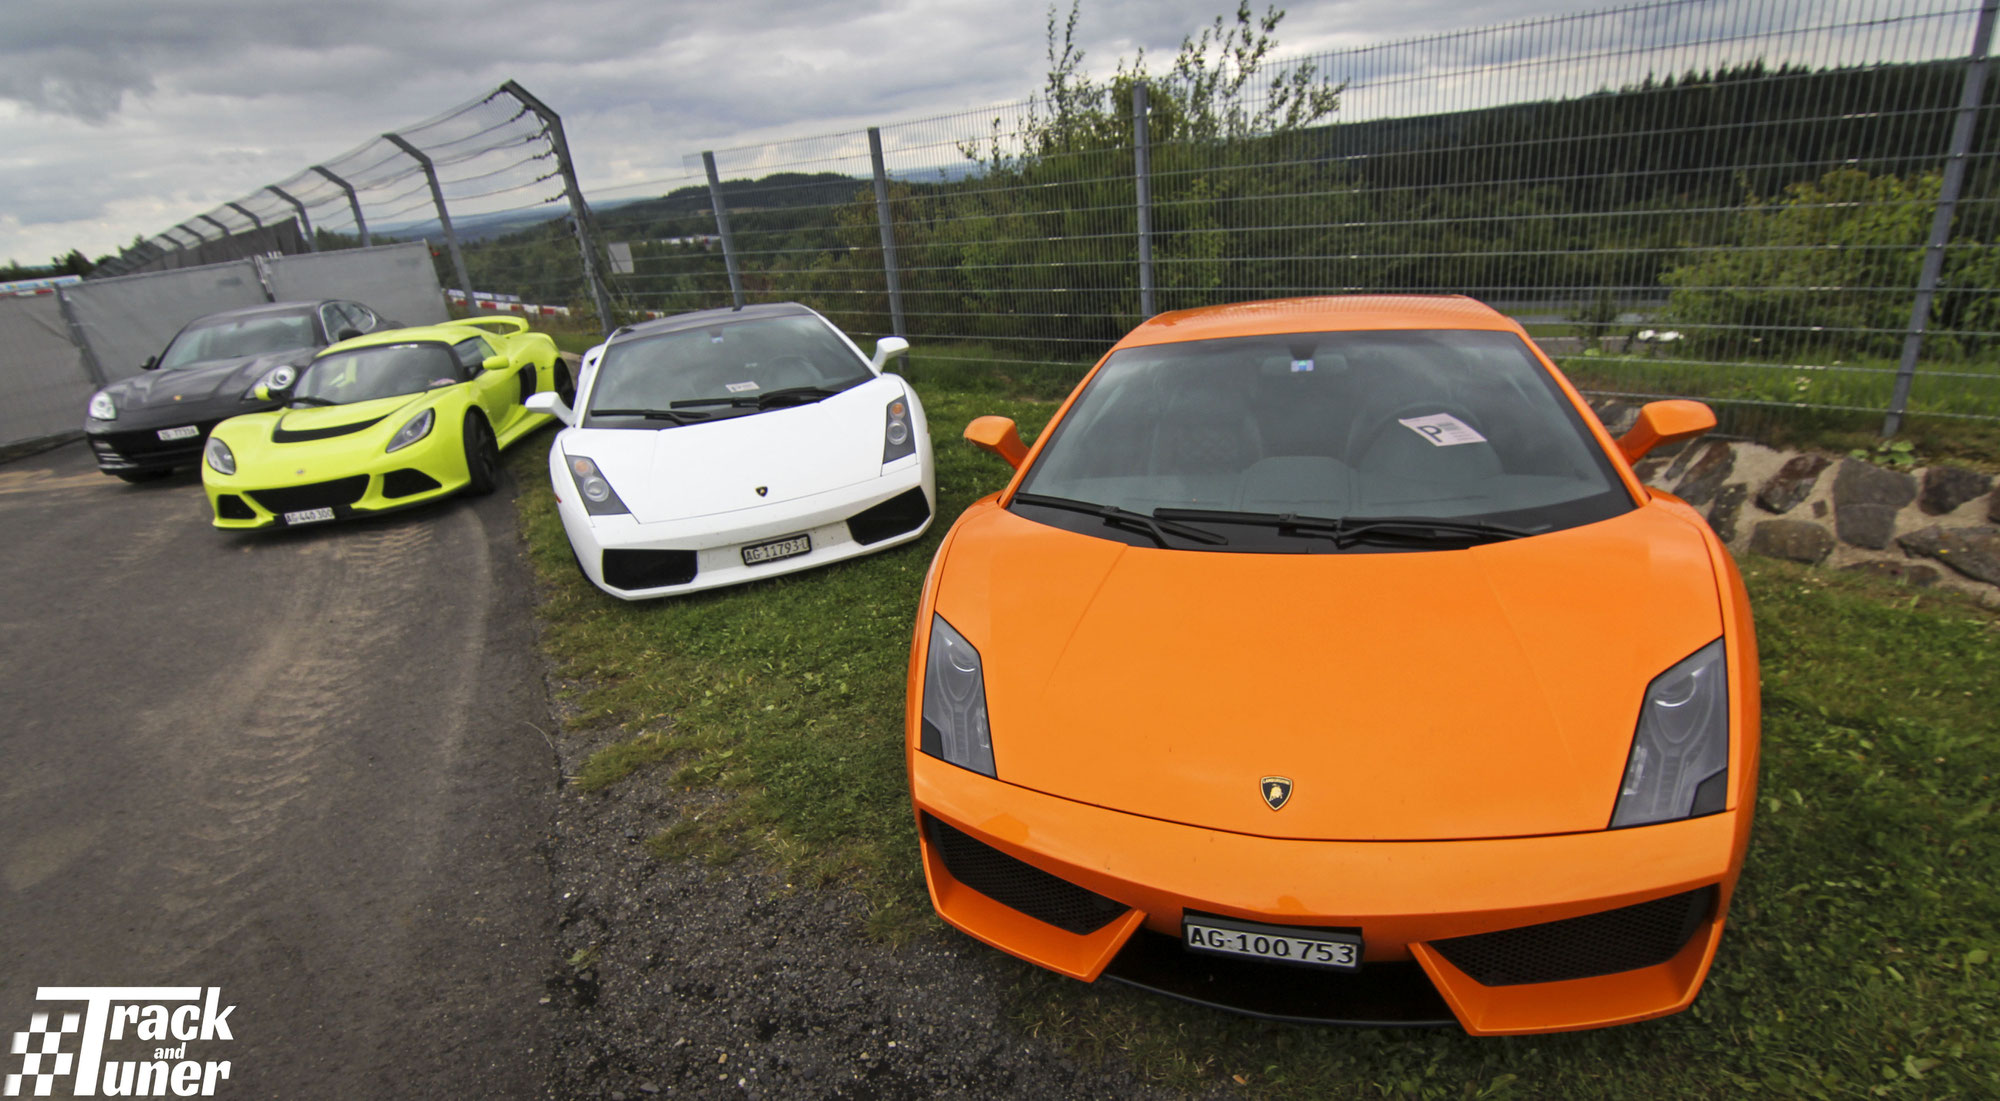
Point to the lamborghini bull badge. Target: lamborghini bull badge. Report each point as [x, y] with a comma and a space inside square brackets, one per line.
[1277, 791]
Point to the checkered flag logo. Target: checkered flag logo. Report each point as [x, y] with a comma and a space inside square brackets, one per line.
[42, 1057]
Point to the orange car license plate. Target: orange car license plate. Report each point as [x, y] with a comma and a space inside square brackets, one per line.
[1279, 943]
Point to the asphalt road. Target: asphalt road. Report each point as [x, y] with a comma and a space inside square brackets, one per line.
[300, 767]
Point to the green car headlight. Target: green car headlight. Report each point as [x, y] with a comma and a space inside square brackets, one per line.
[418, 427]
[954, 722]
[1679, 766]
[219, 456]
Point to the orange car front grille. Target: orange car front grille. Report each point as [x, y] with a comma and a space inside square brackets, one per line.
[1020, 885]
[1624, 939]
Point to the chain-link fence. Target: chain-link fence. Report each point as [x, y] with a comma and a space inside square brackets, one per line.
[1771, 204]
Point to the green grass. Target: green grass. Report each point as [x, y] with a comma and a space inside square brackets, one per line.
[1858, 962]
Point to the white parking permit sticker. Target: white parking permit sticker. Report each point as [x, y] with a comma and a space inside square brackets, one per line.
[1442, 430]
[740, 387]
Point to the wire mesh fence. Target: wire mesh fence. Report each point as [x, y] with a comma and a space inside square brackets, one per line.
[1776, 205]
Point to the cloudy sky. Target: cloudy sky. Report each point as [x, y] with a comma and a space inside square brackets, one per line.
[124, 117]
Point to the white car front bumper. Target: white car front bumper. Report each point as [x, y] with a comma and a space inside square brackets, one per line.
[716, 542]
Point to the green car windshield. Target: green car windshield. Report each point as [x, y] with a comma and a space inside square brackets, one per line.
[721, 370]
[237, 338]
[1464, 426]
[380, 371]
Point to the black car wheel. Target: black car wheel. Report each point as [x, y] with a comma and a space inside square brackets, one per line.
[482, 457]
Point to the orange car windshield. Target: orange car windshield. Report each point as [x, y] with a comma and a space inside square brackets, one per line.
[1463, 426]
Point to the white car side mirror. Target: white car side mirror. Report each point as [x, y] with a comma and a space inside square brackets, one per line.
[546, 401]
[888, 348]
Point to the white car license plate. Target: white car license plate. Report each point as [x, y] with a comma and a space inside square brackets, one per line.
[185, 431]
[776, 549]
[308, 516]
[1222, 936]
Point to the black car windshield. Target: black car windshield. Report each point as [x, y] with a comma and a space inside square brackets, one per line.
[237, 337]
[1274, 431]
[380, 371]
[731, 368]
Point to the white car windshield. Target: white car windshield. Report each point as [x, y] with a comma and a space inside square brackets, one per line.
[1462, 426]
[237, 337]
[381, 371]
[728, 369]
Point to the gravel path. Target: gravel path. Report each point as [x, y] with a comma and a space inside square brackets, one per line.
[727, 982]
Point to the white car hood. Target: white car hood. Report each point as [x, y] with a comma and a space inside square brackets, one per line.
[744, 462]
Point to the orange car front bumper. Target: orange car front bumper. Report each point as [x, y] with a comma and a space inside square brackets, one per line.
[1402, 896]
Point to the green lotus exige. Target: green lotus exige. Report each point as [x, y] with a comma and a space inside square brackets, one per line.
[382, 422]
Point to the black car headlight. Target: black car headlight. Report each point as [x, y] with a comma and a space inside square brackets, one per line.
[899, 441]
[599, 499]
[954, 721]
[1679, 766]
[102, 407]
[416, 428]
[219, 456]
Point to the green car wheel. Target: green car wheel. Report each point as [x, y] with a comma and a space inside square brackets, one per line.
[482, 457]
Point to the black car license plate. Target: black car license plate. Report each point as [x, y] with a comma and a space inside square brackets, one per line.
[1277, 943]
[777, 548]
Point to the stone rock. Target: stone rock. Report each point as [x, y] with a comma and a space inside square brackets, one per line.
[1909, 573]
[1722, 514]
[1617, 416]
[1947, 487]
[1792, 483]
[1866, 499]
[1795, 540]
[1819, 510]
[1681, 454]
[1649, 468]
[1993, 507]
[1974, 552]
[1707, 474]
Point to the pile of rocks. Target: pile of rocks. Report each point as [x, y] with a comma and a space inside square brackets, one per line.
[1937, 525]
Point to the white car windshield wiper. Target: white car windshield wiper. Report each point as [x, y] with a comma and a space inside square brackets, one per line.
[652, 414]
[1158, 528]
[1345, 531]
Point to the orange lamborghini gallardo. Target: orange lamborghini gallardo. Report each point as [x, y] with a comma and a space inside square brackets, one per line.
[1325, 660]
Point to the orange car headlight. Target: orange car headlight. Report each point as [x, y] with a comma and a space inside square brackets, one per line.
[954, 723]
[1679, 767]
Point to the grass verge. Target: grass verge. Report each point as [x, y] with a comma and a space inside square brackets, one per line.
[1858, 962]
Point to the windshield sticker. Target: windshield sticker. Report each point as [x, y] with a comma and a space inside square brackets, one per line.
[1443, 430]
[1301, 365]
[740, 387]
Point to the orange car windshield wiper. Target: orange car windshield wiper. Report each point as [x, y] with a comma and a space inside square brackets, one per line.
[1159, 529]
[1345, 531]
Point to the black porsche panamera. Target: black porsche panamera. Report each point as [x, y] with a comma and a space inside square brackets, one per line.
[141, 428]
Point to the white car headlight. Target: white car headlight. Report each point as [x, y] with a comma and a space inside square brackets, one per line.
[898, 442]
[102, 407]
[1679, 767]
[219, 456]
[954, 722]
[418, 427]
[599, 499]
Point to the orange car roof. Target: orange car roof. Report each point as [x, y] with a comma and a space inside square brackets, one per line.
[1332, 313]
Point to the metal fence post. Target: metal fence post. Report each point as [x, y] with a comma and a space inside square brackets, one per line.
[884, 219]
[579, 212]
[1970, 97]
[353, 203]
[305, 223]
[722, 228]
[444, 216]
[1142, 165]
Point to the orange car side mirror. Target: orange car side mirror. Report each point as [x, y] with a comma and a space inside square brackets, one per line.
[1000, 436]
[1664, 422]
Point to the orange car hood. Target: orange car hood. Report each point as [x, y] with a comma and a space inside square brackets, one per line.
[1485, 692]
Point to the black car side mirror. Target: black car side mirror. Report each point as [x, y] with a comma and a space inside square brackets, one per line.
[151, 362]
[347, 334]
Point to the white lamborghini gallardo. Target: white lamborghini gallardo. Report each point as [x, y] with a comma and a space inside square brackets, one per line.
[722, 446]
